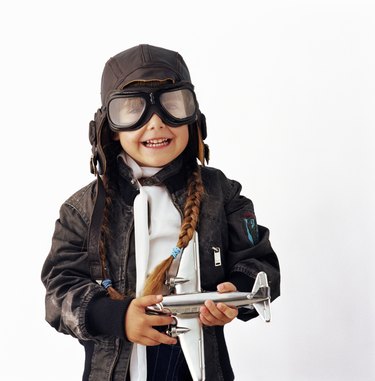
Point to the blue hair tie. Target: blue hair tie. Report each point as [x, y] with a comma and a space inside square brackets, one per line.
[106, 283]
[175, 251]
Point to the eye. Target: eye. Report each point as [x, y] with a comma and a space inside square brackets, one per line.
[172, 105]
[179, 103]
[173, 102]
[133, 106]
[126, 111]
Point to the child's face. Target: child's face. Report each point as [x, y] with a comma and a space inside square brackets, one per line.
[155, 144]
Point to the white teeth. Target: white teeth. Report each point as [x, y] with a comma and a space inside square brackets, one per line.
[156, 142]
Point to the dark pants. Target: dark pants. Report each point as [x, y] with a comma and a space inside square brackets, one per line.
[167, 363]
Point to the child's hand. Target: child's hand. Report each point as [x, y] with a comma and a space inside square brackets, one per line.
[139, 326]
[218, 314]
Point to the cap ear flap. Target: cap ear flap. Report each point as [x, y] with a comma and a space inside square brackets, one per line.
[94, 150]
[202, 125]
[97, 162]
[203, 150]
[92, 132]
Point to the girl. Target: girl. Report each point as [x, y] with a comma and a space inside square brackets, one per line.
[111, 249]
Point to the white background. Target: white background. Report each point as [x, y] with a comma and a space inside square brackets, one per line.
[288, 89]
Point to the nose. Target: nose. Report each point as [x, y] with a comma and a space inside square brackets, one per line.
[155, 122]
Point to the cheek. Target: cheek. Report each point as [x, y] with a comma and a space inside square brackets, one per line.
[128, 140]
[184, 136]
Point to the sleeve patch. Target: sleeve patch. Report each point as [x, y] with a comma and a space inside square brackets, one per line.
[251, 230]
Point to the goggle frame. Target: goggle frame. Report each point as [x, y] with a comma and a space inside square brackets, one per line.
[153, 105]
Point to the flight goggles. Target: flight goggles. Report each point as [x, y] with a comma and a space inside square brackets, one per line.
[130, 109]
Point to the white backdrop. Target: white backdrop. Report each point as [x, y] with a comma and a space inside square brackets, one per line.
[288, 89]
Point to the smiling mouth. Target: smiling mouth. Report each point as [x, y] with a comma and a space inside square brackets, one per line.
[156, 143]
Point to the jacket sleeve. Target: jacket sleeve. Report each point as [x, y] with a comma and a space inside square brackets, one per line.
[71, 295]
[249, 247]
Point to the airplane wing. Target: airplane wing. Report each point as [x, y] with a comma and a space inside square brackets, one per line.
[192, 346]
[192, 341]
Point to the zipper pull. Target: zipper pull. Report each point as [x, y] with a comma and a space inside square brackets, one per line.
[217, 255]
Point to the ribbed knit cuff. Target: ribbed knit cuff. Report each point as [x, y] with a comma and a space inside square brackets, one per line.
[107, 317]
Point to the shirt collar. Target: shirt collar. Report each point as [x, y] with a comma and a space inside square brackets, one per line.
[174, 175]
[138, 171]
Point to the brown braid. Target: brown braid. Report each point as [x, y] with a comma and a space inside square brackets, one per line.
[105, 234]
[156, 279]
[108, 182]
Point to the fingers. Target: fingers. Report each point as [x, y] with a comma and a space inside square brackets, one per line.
[226, 287]
[220, 314]
[158, 320]
[149, 300]
[229, 312]
[139, 325]
[144, 333]
[152, 337]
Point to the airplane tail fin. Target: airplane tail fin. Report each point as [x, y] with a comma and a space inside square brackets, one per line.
[259, 289]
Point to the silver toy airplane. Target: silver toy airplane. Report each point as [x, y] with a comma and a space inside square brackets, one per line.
[189, 304]
[184, 306]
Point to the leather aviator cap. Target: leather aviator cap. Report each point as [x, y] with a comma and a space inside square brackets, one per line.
[141, 63]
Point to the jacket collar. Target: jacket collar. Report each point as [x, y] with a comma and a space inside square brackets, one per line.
[174, 175]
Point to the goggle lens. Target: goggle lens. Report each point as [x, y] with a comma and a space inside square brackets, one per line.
[126, 112]
[180, 103]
